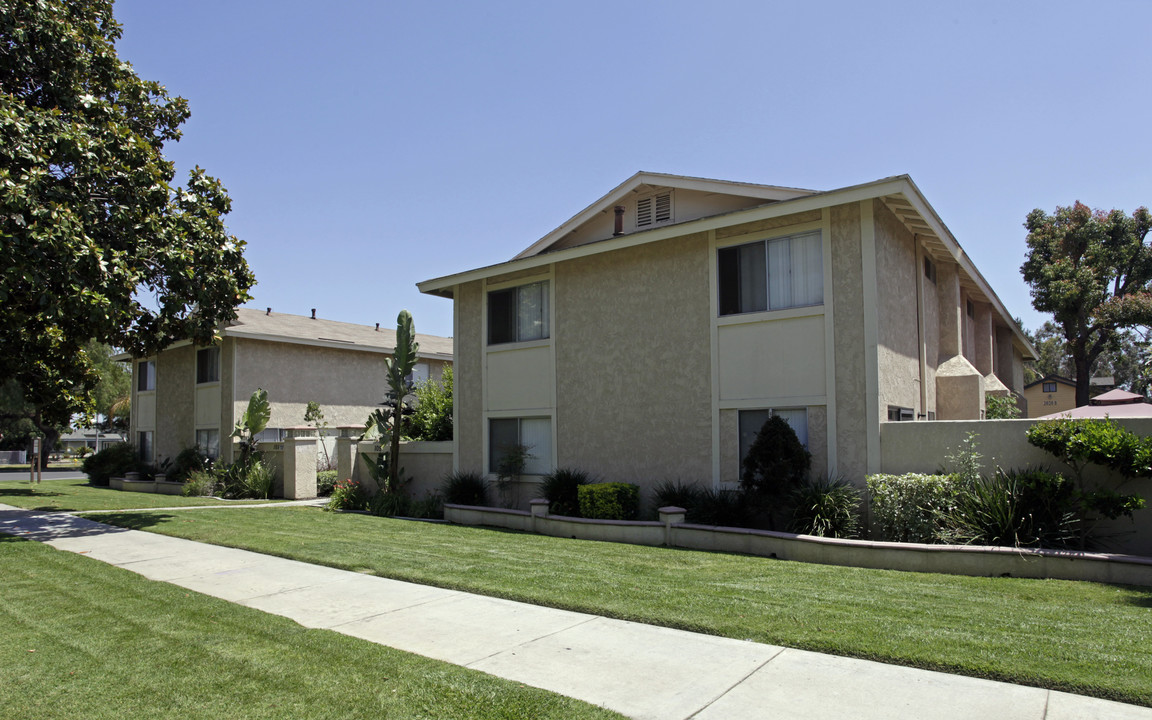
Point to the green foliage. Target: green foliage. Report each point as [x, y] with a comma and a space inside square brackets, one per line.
[200, 483]
[826, 507]
[347, 495]
[252, 422]
[964, 461]
[389, 504]
[1015, 508]
[561, 488]
[1092, 271]
[432, 419]
[186, 462]
[1001, 407]
[912, 507]
[112, 387]
[398, 370]
[609, 501]
[95, 242]
[113, 461]
[1079, 442]
[314, 416]
[465, 487]
[509, 467]
[669, 493]
[325, 481]
[776, 463]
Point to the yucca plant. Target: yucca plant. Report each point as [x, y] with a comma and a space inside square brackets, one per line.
[561, 488]
[465, 487]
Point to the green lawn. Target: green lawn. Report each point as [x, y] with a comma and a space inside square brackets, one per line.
[82, 639]
[77, 494]
[1081, 637]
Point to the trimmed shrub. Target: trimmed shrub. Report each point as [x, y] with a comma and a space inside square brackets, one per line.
[561, 489]
[200, 483]
[827, 508]
[186, 462]
[1001, 407]
[325, 481]
[113, 461]
[911, 507]
[609, 501]
[777, 462]
[465, 487]
[347, 495]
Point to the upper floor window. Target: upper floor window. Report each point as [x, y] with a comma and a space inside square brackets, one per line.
[207, 365]
[930, 270]
[1049, 387]
[518, 314]
[772, 274]
[146, 375]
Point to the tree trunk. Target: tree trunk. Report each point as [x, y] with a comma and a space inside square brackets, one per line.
[1083, 375]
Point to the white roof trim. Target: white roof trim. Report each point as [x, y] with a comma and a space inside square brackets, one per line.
[680, 182]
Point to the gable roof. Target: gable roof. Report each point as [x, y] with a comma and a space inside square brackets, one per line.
[898, 193]
[643, 181]
[1052, 378]
[256, 324]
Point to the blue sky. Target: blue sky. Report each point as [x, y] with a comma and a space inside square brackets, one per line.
[371, 145]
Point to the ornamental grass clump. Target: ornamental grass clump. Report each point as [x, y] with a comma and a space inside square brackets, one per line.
[561, 488]
[828, 507]
[1015, 508]
[465, 487]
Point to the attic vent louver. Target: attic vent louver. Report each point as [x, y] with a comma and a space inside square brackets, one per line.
[654, 209]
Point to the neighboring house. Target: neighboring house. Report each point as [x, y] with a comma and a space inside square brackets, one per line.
[648, 338]
[1114, 404]
[1049, 394]
[90, 438]
[188, 395]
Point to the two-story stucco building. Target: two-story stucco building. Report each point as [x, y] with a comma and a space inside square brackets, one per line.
[649, 337]
[189, 395]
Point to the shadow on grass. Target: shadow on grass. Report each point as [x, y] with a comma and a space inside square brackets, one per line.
[27, 492]
[135, 520]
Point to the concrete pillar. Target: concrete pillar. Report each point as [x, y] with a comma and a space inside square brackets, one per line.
[951, 311]
[959, 390]
[346, 451]
[983, 335]
[670, 516]
[300, 462]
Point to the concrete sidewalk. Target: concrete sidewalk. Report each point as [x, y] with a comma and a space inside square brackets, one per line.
[638, 670]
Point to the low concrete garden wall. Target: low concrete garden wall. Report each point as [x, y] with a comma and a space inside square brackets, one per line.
[672, 531]
[133, 483]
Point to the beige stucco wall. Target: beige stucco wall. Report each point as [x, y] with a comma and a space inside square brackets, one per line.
[921, 447]
[1041, 403]
[931, 308]
[773, 358]
[468, 420]
[347, 384]
[175, 407]
[851, 405]
[633, 363]
[898, 361]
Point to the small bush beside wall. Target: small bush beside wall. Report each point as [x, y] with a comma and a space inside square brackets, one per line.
[828, 507]
[911, 507]
[465, 487]
[609, 501]
[325, 481]
[347, 495]
[113, 461]
[561, 489]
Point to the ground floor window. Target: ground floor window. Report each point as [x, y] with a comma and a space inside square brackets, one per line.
[209, 442]
[144, 445]
[897, 413]
[270, 435]
[752, 420]
[534, 434]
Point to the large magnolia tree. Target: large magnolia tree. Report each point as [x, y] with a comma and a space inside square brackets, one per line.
[90, 222]
[1092, 271]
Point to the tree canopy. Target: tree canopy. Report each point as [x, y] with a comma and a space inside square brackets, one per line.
[1092, 271]
[95, 241]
